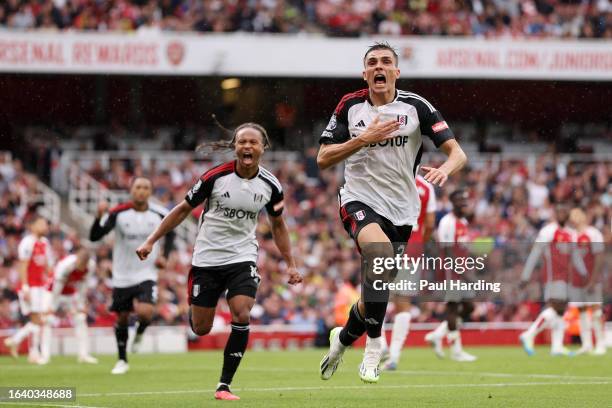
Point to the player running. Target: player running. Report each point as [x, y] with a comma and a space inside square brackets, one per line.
[556, 244]
[586, 291]
[69, 291]
[453, 235]
[35, 262]
[134, 282]
[378, 133]
[421, 233]
[225, 252]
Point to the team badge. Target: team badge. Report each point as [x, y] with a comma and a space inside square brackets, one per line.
[402, 120]
[255, 275]
[360, 215]
[194, 189]
[196, 290]
[332, 123]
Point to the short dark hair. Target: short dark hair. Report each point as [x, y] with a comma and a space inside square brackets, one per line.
[35, 217]
[456, 194]
[382, 45]
[134, 178]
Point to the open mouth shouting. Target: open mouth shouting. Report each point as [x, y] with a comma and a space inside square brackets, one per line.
[247, 158]
[380, 80]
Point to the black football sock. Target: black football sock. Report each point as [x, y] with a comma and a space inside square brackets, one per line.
[121, 334]
[142, 326]
[234, 351]
[354, 327]
[375, 302]
[374, 318]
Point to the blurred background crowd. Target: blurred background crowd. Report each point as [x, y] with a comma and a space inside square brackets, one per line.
[509, 202]
[349, 18]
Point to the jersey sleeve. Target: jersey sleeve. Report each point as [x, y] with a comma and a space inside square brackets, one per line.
[446, 230]
[102, 226]
[275, 206]
[60, 275]
[337, 129]
[24, 250]
[432, 123]
[63, 269]
[431, 202]
[201, 190]
[546, 234]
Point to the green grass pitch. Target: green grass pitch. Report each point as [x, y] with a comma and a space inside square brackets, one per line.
[502, 377]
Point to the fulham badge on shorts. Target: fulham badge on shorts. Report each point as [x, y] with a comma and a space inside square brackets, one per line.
[196, 290]
[360, 215]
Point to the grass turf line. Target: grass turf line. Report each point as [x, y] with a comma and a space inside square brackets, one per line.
[503, 376]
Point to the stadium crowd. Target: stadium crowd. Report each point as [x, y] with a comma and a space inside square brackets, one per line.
[488, 18]
[509, 202]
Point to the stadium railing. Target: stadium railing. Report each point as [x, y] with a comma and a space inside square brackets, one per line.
[85, 193]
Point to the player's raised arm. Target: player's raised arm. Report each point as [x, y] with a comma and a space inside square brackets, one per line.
[170, 221]
[104, 222]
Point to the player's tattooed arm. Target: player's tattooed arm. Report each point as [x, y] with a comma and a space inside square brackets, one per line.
[455, 161]
[283, 242]
[170, 221]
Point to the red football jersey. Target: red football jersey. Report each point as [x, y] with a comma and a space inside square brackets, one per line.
[37, 253]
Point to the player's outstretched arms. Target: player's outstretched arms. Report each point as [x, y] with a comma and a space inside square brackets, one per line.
[283, 242]
[170, 221]
[455, 162]
[377, 131]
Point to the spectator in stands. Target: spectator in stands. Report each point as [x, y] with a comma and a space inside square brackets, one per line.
[351, 18]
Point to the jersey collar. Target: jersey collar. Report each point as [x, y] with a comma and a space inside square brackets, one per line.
[240, 177]
[394, 99]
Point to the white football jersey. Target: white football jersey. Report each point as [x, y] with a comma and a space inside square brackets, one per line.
[382, 175]
[227, 225]
[131, 229]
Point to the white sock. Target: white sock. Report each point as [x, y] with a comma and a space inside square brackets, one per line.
[398, 335]
[45, 339]
[375, 343]
[557, 334]
[383, 336]
[440, 331]
[80, 329]
[22, 333]
[34, 350]
[544, 319]
[454, 338]
[598, 329]
[585, 330]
